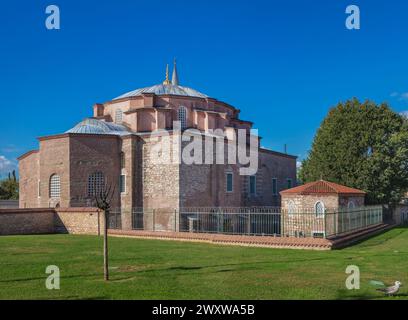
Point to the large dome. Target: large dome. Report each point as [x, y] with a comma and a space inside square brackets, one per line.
[164, 89]
[167, 87]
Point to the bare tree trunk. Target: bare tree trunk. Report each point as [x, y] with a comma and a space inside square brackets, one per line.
[105, 247]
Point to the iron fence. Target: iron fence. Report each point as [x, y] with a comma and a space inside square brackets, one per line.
[251, 220]
[349, 220]
[240, 221]
[115, 219]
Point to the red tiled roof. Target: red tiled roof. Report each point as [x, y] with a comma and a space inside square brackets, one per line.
[322, 187]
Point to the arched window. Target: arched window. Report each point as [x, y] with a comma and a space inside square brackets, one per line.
[319, 209]
[291, 207]
[118, 116]
[351, 204]
[96, 182]
[182, 116]
[55, 186]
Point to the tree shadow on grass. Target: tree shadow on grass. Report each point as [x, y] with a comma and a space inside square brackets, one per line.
[63, 298]
[45, 277]
[242, 265]
[344, 294]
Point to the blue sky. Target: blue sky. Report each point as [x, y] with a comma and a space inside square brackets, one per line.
[282, 63]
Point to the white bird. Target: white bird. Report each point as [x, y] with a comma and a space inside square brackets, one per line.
[388, 290]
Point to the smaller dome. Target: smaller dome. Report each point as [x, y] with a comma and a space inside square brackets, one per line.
[95, 126]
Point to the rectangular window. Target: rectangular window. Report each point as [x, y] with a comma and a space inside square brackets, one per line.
[230, 185]
[274, 186]
[252, 184]
[122, 183]
[318, 234]
[289, 183]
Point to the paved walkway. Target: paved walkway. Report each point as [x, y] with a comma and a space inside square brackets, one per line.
[251, 241]
[257, 241]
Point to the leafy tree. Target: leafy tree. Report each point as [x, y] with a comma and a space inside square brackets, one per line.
[361, 145]
[9, 187]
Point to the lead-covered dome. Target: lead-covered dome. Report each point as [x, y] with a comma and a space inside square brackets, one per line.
[95, 126]
[164, 89]
[167, 87]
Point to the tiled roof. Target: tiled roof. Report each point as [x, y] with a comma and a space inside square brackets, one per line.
[322, 187]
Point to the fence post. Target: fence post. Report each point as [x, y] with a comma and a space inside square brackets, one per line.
[282, 228]
[175, 220]
[325, 225]
[249, 223]
[154, 219]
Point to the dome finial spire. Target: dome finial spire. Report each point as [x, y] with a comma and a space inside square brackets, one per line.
[167, 81]
[174, 78]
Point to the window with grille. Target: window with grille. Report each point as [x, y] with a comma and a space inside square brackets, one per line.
[118, 116]
[182, 117]
[96, 182]
[55, 186]
[351, 205]
[319, 209]
[229, 178]
[274, 186]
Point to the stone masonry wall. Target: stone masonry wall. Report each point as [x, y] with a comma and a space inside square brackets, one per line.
[160, 180]
[79, 221]
[29, 181]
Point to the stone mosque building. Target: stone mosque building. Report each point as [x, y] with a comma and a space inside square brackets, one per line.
[115, 146]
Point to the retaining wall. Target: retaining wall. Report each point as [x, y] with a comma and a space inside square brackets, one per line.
[49, 220]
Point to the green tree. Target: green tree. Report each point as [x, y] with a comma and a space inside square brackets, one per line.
[361, 145]
[9, 187]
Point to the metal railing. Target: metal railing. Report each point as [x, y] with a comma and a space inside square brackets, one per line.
[115, 219]
[359, 218]
[252, 220]
[240, 221]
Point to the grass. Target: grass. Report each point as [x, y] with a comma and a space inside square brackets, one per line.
[153, 269]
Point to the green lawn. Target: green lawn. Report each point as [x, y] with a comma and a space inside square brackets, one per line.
[152, 269]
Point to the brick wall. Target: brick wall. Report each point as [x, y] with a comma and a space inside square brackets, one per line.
[271, 165]
[26, 221]
[42, 221]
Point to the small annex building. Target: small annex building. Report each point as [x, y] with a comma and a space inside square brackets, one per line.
[310, 209]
